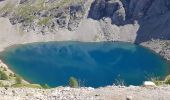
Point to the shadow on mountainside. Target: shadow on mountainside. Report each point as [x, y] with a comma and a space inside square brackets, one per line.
[154, 28]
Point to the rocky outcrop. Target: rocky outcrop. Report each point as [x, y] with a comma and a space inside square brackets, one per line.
[161, 47]
[135, 21]
[108, 8]
[45, 16]
[152, 15]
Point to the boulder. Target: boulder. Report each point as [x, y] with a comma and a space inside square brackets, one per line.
[149, 84]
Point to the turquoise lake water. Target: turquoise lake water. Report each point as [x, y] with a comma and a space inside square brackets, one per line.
[94, 64]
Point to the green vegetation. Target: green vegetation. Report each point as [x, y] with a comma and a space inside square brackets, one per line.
[3, 75]
[27, 85]
[26, 11]
[64, 3]
[7, 78]
[167, 80]
[157, 81]
[29, 10]
[40, 4]
[44, 21]
[18, 80]
[19, 83]
[45, 86]
[7, 8]
[73, 82]
[1, 84]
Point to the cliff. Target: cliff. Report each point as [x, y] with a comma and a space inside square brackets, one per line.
[144, 22]
[89, 20]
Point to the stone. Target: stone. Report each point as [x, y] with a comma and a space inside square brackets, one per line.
[129, 97]
[97, 9]
[149, 84]
[90, 88]
[22, 1]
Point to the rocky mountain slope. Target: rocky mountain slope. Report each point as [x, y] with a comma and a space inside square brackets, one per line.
[152, 16]
[145, 22]
[116, 20]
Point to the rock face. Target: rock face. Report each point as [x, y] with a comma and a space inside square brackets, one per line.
[152, 15]
[108, 8]
[108, 20]
[44, 16]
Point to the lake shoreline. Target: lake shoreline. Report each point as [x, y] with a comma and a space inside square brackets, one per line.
[88, 93]
[64, 41]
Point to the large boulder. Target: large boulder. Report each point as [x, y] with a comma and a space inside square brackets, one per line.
[149, 84]
[108, 8]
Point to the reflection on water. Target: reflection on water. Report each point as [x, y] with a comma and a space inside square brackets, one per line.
[96, 64]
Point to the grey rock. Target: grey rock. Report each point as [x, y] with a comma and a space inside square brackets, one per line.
[119, 16]
[145, 19]
[22, 1]
[97, 9]
[76, 14]
[129, 97]
[43, 13]
[2, 0]
[152, 15]
[111, 7]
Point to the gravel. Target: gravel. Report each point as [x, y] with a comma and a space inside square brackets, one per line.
[104, 93]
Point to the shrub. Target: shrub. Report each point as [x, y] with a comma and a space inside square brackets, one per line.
[44, 21]
[5, 69]
[167, 79]
[1, 84]
[18, 80]
[14, 75]
[45, 86]
[27, 85]
[3, 76]
[10, 74]
[73, 82]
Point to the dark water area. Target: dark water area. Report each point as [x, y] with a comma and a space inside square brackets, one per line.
[94, 64]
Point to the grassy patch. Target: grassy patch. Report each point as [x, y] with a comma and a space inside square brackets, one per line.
[27, 85]
[1, 84]
[157, 81]
[26, 11]
[40, 5]
[45, 86]
[3, 75]
[167, 80]
[8, 7]
[44, 21]
[64, 3]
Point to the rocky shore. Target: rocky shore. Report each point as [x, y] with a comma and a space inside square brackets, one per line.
[106, 93]
[161, 47]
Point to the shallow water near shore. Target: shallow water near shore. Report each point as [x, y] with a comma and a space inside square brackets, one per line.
[94, 64]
